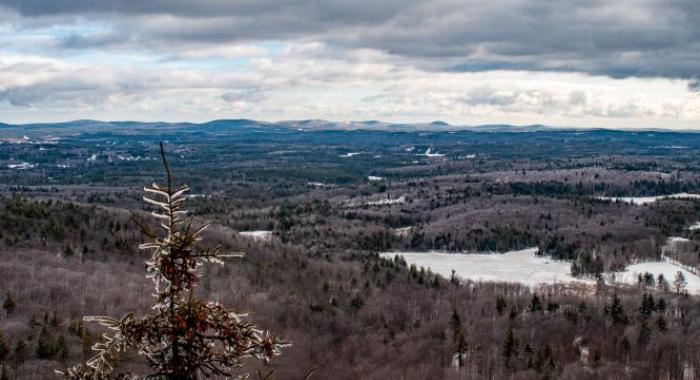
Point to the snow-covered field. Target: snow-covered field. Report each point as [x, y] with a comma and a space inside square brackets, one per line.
[645, 200]
[514, 266]
[669, 270]
[257, 235]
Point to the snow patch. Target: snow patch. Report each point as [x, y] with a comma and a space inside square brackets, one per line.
[257, 235]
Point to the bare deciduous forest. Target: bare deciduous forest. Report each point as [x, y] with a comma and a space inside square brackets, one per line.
[69, 247]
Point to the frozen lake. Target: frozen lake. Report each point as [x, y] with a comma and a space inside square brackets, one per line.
[526, 268]
[645, 200]
[521, 266]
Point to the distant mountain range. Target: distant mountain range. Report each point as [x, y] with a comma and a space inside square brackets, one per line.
[300, 125]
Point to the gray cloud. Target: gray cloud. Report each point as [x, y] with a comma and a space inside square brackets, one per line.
[655, 38]
[248, 95]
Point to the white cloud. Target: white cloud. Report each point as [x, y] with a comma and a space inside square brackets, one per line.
[313, 80]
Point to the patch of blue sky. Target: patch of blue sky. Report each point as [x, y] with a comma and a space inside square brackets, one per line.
[273, 48]
[239, 64]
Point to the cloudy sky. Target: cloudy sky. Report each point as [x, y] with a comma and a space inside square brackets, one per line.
[593, 63]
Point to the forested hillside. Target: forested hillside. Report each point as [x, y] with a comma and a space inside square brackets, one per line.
[314, 220]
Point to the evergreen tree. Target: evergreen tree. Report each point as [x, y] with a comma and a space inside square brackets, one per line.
[45, 345]
[616, 311]
[545, 361]
[500, 305]
[661, 323]
[185, 338]
[509, 347]
[55, 322]
[453, 278]
[661, 305]
[535, 304]
[456, 325]
[662, 284]
[461, 347]
[458, 338]
[436, 282]
[61, 348]
[9, 305]
[649, 281]
[356, 302]
[20, 352]
[644, 333]
[648, 306]
[4, 350]
[679, 282]
[625, 344]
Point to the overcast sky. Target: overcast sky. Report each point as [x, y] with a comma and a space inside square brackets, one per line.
[593, 63]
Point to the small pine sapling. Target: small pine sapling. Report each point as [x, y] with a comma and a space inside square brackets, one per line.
[184, 337]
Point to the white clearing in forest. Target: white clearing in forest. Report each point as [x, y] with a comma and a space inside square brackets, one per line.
[257, 235]
[428, 153]
[522, 266]
[402, 231]
[387, 201]
[669, 270]
[21, 166]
